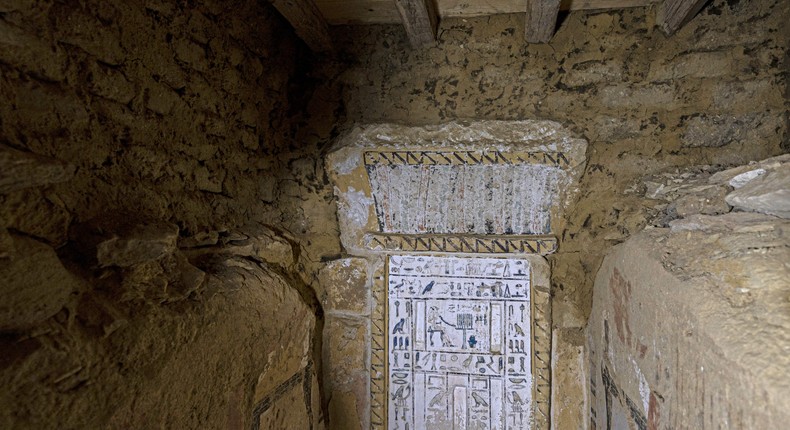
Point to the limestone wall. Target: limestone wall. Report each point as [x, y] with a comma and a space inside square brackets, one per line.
[690, 321]
[135, 139]
[713, 93]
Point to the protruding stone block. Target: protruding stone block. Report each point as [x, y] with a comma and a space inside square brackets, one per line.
[345, 372]
[20, 170]
[768, 193]
[476, 178]
[34, 285]
[683, 314]
[344, 282]
[262, 243]
[137, 244]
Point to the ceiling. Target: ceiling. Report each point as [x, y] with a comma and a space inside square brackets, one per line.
[420, 18]
[337, 12]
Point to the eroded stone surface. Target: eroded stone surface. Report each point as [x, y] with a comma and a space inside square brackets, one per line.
[768, 193]
[345, 283]
[681, 315]
[479, 177]
[138, 243]
[35, 285]
[20, 170]
[345, 372]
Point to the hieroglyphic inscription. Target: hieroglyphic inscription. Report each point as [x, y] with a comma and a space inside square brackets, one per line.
[464, 244]
[459, 343]
[465, 192]
[456, 158]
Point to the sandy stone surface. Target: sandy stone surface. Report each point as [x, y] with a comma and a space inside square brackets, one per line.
[212, 116]
[150, 279]
[685, 314]
[712, 94]
[694, 309]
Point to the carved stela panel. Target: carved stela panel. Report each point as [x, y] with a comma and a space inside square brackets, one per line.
[458, 340]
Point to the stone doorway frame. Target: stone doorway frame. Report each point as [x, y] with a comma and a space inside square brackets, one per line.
[364, 235]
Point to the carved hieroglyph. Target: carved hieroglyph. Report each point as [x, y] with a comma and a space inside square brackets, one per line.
[470, 192]
[459, 343]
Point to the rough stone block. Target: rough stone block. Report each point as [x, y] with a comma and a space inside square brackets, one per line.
[75, 26]
[203, 238]
[734, 94]
[592, 72]
[737, 177]
[720, 130]
[161, 99]
[136, 244]
[768, 193]
[658, 96]
[681, 315]
[708, 201]
[26, 50]
[345, 371]
[184, 278]
[111, 84]
[345, 285]
[695, 64]
[20, 170]
[191, 53]
[34, 286]
[33, 213]
[209, 181]
[259, 242]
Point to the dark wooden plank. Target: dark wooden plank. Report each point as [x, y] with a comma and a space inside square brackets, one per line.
[307, 21]
[676, 13]
[541, 20]
[420, 21]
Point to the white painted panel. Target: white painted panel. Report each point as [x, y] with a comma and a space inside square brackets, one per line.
[491, 199]
[419, 337]
[459, 408]
[458, 341]
[496, 328]
[497, 397]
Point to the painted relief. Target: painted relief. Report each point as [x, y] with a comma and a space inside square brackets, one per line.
[465, 244]
[464, 192]
[458, 341]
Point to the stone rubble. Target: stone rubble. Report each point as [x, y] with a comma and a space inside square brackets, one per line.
[35, 285]
[768, 193]
[137, 244]
[19, 170]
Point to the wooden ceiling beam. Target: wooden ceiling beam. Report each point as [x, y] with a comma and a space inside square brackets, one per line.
[385, 11]
[674, 14]
[541, 20]
[420, 20]
[307, 21]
